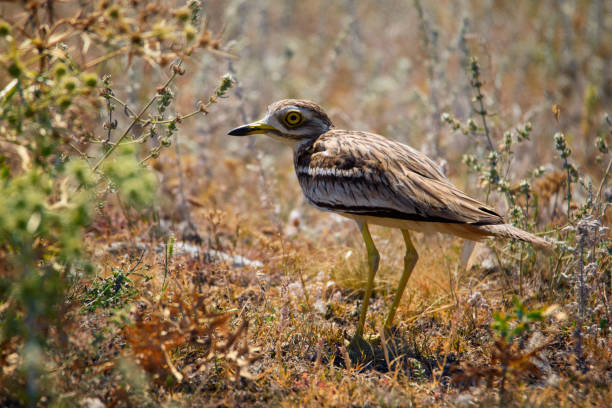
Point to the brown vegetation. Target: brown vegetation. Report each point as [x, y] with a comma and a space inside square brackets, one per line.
[184, 268]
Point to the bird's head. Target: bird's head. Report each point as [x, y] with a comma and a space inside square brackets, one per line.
[289, 120]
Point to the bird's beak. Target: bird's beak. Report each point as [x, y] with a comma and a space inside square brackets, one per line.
[251, 129]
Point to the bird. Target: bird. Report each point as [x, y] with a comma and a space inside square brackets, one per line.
[374, 180]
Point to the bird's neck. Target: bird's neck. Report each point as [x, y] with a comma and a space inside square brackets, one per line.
[302, 151]
[302, 145]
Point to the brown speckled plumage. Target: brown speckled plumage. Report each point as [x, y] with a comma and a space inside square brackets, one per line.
[364, 173]
[361, 174]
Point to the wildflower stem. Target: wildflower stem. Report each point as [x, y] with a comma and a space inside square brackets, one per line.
[483, 114]
[477, 85]
[569, 191]
[153, 122]
[106, 57]
[134, 121]
[603, 180]
[579, 323]
[226, 83]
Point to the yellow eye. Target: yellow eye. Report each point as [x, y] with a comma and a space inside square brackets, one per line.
[293, 118]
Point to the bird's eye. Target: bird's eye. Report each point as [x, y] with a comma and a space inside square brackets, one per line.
[293, 118]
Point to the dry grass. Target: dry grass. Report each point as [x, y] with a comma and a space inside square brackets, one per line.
[257, 311]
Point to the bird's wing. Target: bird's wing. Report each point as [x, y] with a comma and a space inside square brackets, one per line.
[366, 174]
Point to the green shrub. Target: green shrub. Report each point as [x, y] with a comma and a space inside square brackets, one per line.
[49, 112]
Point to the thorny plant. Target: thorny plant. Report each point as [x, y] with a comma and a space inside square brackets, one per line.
[584, 237]
[587, 275]
[587, 239]
[494, 170]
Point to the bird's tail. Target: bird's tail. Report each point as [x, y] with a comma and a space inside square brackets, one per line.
[509, 231]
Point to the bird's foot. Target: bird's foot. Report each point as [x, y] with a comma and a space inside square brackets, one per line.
[360, 349]
[381, 337]
[370, 339]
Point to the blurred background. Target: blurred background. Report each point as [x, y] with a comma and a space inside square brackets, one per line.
[394, 68]
[147, 258]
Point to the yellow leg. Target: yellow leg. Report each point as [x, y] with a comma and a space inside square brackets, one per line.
[373, 258]
[410, 259]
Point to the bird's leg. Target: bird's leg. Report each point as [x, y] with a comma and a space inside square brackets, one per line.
[373, 258]
[410, 259]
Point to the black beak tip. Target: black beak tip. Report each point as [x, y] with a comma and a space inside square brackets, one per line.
[239, 131]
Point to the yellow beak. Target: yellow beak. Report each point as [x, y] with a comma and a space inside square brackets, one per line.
[252, 129]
